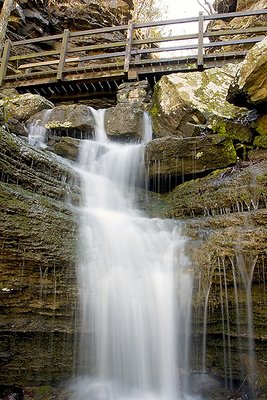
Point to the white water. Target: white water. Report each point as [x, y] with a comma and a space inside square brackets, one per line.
[37, 131]
[134, 283]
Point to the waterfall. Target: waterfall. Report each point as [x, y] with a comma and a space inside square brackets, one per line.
[37, 131]
[134, 282]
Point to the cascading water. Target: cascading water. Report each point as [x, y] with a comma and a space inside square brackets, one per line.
[134, 283]
[37, 131]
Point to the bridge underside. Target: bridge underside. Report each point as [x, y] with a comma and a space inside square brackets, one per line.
[101, 82]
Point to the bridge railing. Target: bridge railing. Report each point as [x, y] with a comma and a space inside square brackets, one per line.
[92, 53]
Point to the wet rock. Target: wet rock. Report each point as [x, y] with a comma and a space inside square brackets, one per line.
[16, 127]
[223, 192]
[181, 101]
[124, 122]
[22, 107]
[233, 130]
[67, 120]
[37, 288]
[66, 147]
[188, 156]
[249, 87]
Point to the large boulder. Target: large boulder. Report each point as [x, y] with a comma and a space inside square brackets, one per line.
[75, 120]
[250, 84]
[182, 102]
[21, 107]
[180, 157]
[124, 122]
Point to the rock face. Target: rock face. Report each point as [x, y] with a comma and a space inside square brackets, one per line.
[224, 219]
[32, 18]
[37, 265]
[187, 157]
[182, 101]
[250, 84]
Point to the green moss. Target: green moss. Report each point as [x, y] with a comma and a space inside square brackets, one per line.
[261, 141]
[232, 130]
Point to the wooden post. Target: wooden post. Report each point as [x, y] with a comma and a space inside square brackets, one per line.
[128, 47]
[63, 53]
[4, 16]
[200, 40]
[4, 61]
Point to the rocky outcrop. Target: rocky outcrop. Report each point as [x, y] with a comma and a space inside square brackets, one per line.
[236, 189]
[186, 158]
[182, 103]
[37, 264]
[33, 18]
[250, 85]
[224, 218]
[22, 107]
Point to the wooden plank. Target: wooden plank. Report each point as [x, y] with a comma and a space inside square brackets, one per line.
[200, 49]
[234, 42]
[128, 47]
[4, 61]
[96, 47]
[101, 56]
[249, 13]
[47, 63]
[189, 59]
[165, 22]
[165, 39]
[35, 55]
[99, 30]
[63, 53]
[226, 32]
[37, 40]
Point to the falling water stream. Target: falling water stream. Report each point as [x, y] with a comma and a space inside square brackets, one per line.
[134, 282]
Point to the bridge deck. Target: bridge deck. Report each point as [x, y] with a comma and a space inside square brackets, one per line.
[68, 66]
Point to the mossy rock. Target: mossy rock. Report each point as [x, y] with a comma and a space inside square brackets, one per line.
[232, 130]
[261, 141]
[21, 107]
[188, 156]
[195, 98]
[66, 147]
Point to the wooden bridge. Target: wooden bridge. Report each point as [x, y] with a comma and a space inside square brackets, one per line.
[67, 66]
